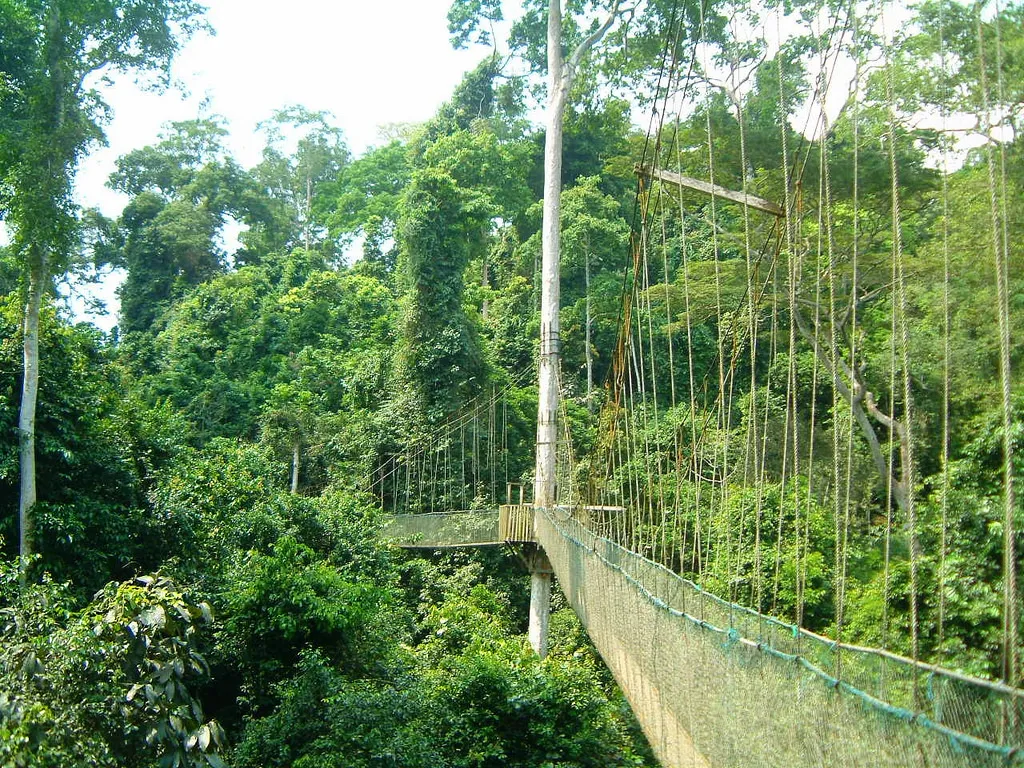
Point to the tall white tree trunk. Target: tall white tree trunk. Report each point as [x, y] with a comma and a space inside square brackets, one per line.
[560, 78]
[544, 493]
[39, 256]
[27, 414]
[560, 73]
[295, 466]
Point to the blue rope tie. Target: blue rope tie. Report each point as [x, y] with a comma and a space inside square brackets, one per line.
[731, 638]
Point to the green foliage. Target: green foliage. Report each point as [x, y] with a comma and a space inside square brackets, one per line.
[111, 684]
[186, 149]
[495, 703]
[468, 694]
[230, 500]
[168, 248]
[304, 155]
[319, 334]
[472, 101]
[326, 719]
[9, 272]
[150, 626]
[171, 449]
[54, 118]
[183, 190]
[953, 29]
[442, 224]
[280, 603]
[367, 193]
[50, 118]
[90, 510]
[595, 142]
[466, 19]
[217, 501]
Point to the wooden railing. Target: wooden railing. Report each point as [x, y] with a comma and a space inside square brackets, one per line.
[515, 523]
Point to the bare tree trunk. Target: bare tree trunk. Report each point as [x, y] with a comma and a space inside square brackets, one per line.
[547, 409]
[560, 78]
[27, 414]
[39, 272]
[590, 355]
[295, 466]
[561, 74]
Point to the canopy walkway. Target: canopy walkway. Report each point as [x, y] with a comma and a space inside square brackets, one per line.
[511, 524]
[811, 420]
[716, 684]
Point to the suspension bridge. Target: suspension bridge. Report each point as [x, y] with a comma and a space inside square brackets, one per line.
[792, 535]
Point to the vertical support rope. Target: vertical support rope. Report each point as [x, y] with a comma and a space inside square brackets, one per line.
[1011, 650]
[907, 453]
[792, 443]
[946, 341]
[752, 451]
[830, 266]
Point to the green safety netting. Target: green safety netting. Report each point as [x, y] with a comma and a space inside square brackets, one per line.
[442, 530]
[715, 684]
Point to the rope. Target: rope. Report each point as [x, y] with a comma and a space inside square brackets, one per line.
[1010, 644]
[946, 344]
[907, 452]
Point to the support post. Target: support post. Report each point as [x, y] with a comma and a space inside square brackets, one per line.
[743, 198]
[540, 610]
[540, 597]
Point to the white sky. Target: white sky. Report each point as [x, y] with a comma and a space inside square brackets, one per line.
[370, 63]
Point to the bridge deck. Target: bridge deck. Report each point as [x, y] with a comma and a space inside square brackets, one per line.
[509, 524]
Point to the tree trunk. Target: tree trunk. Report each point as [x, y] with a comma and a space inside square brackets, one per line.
[544, 493]
[39, 274]
[295, 466]
[560, 77]
[590, 355]
[27, 414]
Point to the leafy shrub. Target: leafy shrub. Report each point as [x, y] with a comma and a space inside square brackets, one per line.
[105, 686]
[281, 603]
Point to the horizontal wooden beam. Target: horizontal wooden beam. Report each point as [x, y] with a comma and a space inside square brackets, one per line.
[751, 201]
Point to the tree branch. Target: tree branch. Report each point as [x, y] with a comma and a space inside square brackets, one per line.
[592, 39]
[859, 399]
